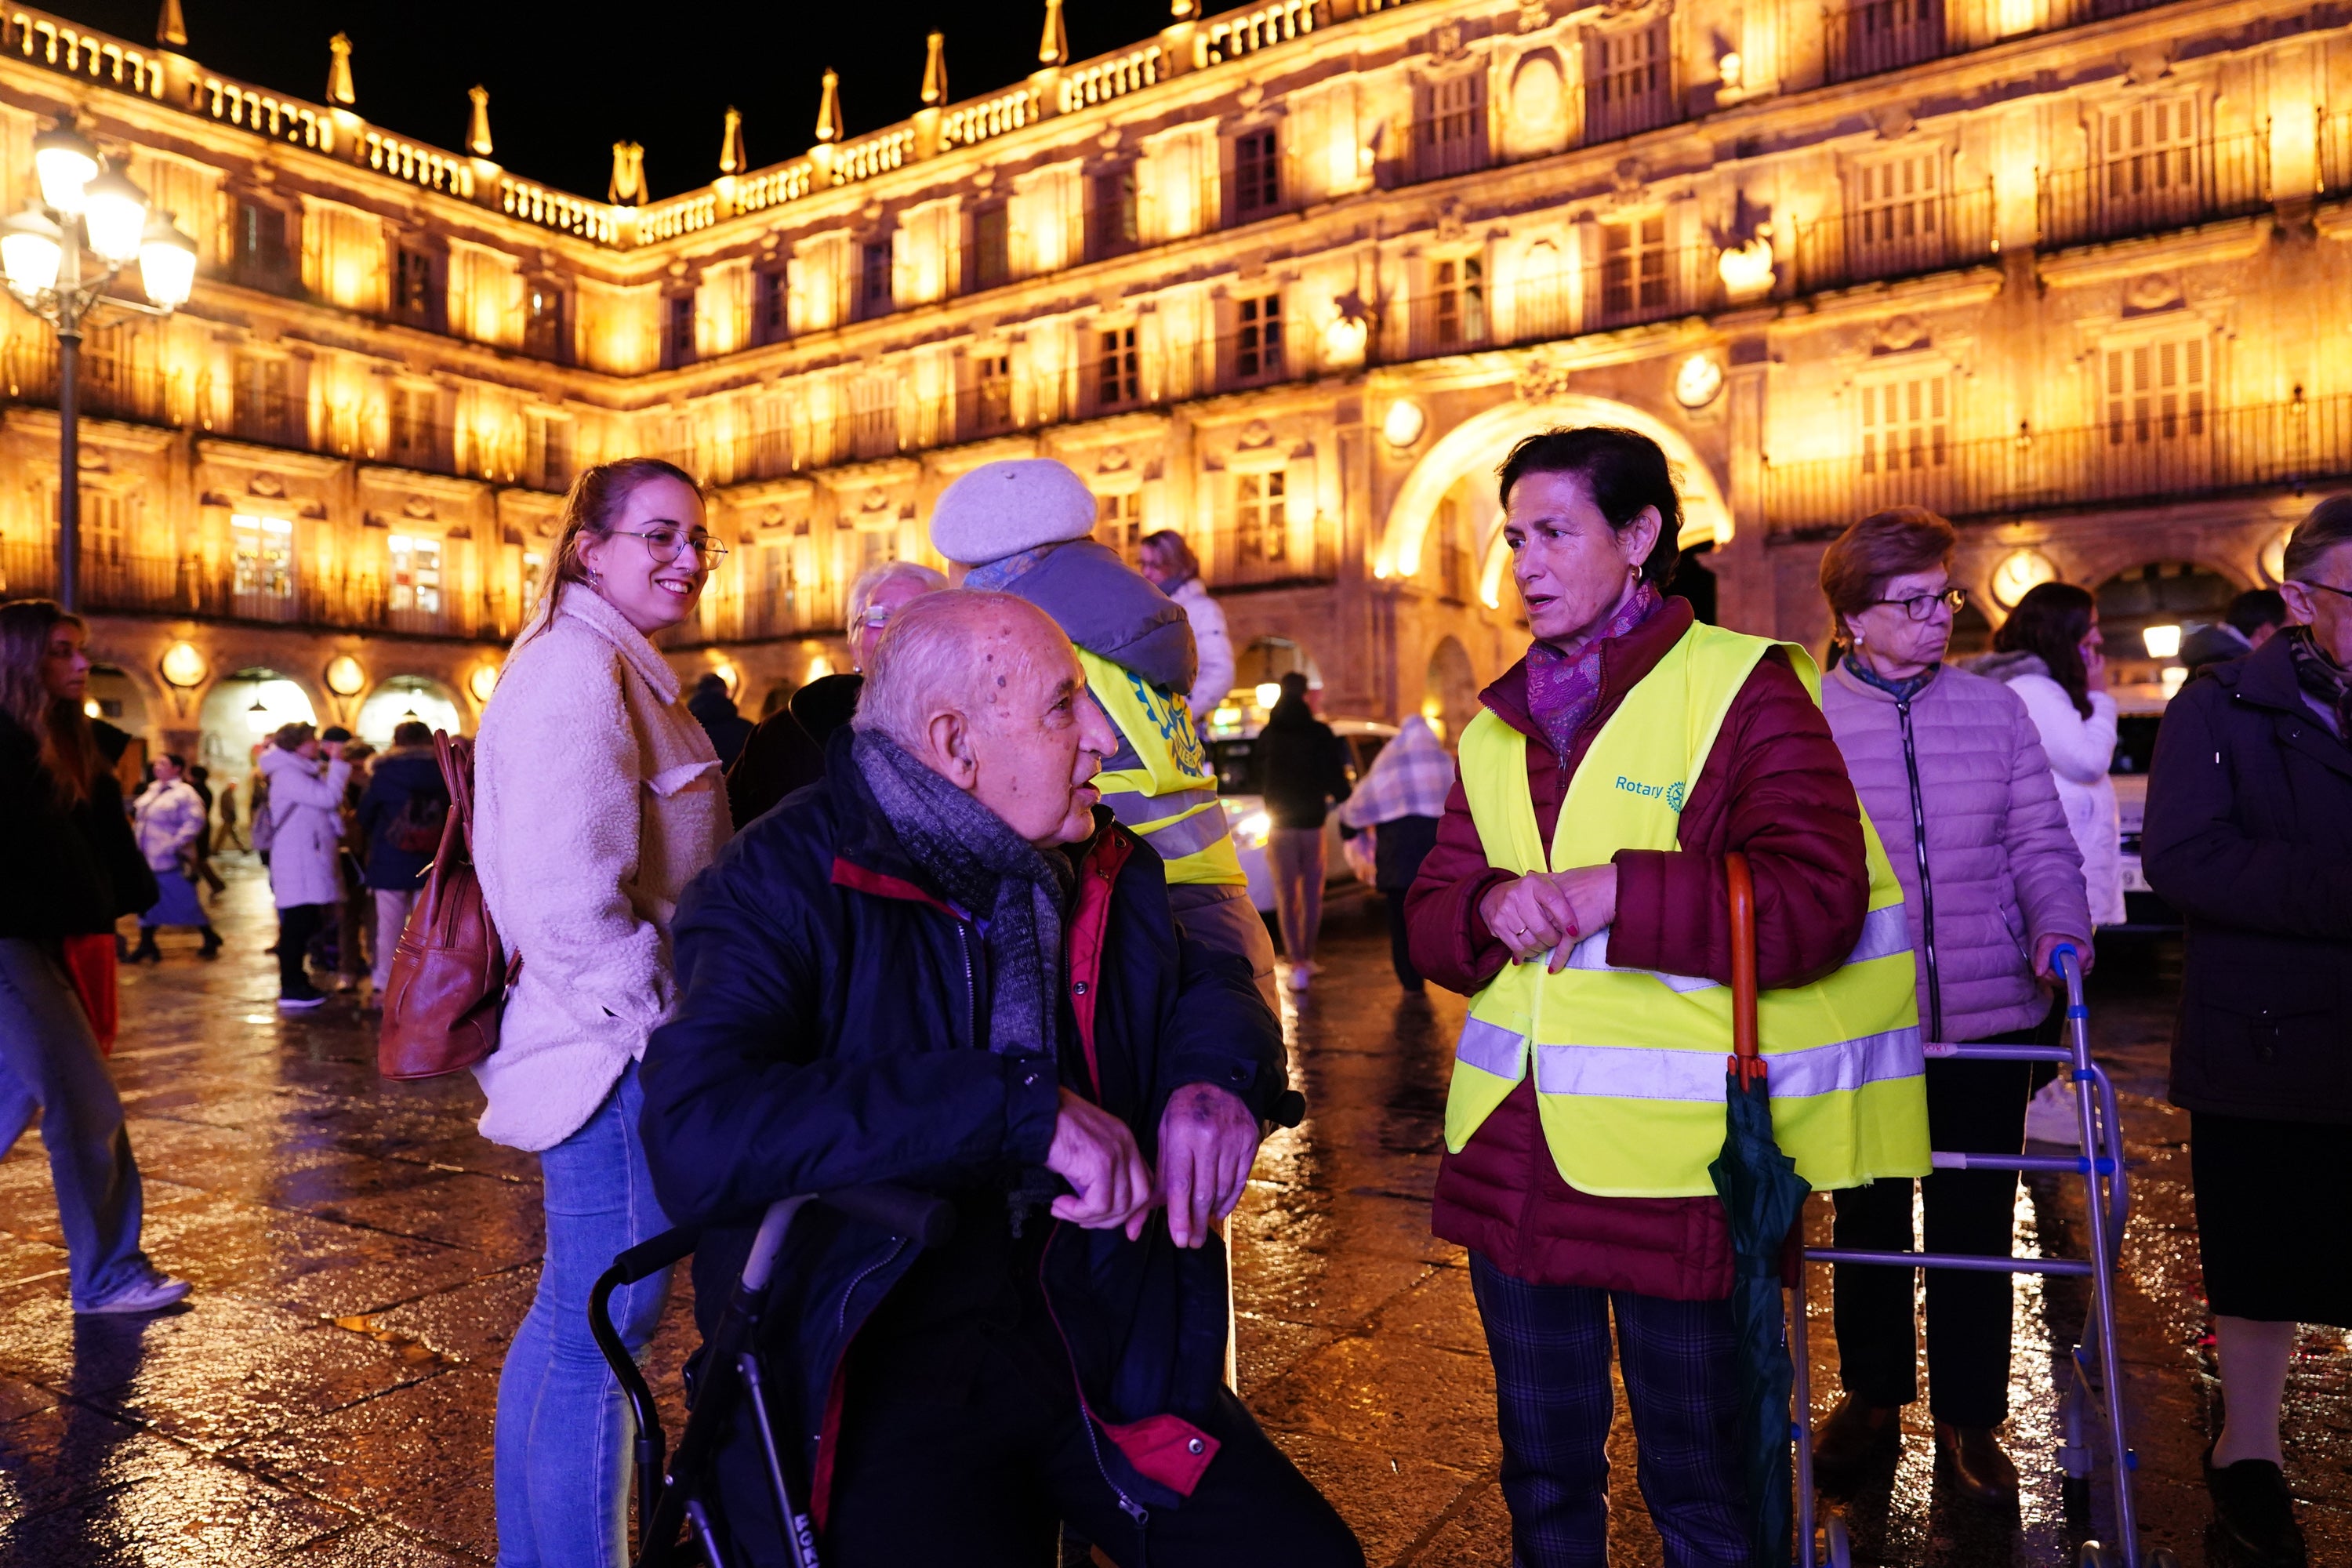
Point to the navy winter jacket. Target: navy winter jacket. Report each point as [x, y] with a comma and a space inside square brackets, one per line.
[400, 774]
[830, 1032]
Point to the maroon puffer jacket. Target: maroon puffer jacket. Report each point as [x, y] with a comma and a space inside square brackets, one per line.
[1775, 787]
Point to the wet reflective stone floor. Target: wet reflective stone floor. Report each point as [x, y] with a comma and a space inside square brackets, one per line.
[361, 1259]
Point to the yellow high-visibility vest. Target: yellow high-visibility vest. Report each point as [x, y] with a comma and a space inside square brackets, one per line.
[1168, 797]
[1629, 1063]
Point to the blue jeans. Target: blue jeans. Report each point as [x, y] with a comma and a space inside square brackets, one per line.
[1681, 1360]
[564, 1430]
[49, 1061]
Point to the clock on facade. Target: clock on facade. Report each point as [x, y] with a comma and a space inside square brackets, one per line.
[1696, 381]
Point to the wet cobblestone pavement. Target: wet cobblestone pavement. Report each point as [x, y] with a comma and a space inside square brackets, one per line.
[361, 1259]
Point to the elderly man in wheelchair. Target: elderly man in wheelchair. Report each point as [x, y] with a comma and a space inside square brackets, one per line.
[945, 970]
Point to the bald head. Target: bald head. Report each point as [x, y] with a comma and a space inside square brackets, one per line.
[985, 690]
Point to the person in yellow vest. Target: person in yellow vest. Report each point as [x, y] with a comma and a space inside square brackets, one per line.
[1576, 894]
[1026, 527]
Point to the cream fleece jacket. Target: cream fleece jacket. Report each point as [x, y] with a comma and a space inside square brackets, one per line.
[597, 797]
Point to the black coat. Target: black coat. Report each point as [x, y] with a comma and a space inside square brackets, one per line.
[1302, 769]
[2249, 834]
[402, 775]
[63, 871]
[785, 752]
[830, 1032]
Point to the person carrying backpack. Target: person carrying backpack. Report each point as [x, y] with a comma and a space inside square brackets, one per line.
[400, 819]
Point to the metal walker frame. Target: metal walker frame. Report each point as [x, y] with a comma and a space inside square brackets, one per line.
[2090, 1397]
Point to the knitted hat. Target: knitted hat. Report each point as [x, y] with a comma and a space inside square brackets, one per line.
[1002, 508]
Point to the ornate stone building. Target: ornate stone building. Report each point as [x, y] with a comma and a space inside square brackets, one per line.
[1289, 278]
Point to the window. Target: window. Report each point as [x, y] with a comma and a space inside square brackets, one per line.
[260, 239]
[1113, 214]
[1260, 530]
[1541, 307]
[415, 573]
[1898, 213]
[1117, 381]
[262, 556]
[874, 297]
[1458, 299]
[2147, 154]
[543, 320]
[874, 416]
[411, 284]
[991, 251]
[264, 408]
[413, 421]
[550, 451]
[1257, 174]
[1451, 140]
[680, 345]
[2156, 392]
[769, 308]
[1257, 347]
[992, 391]
[1120, 523]
[1904, 427]
[101, 528]
[1873, 35]
[1628, 87]
[1633, 268]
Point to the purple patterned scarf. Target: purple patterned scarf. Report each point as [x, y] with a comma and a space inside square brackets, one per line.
[1564, 679]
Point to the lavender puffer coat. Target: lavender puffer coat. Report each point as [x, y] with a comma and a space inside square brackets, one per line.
[1962, 760]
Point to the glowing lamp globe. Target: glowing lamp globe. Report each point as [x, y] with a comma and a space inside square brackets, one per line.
[114, 216]
[167, 263]
[65, 162]
[31, 247]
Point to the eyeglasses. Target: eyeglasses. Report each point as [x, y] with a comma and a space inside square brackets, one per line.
[1920, 606]
[2324, 588]
[664, 545]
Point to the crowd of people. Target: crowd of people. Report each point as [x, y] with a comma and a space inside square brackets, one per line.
[969, 918]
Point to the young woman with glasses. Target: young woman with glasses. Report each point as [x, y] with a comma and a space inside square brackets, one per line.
[598, 798]
[1951, 770]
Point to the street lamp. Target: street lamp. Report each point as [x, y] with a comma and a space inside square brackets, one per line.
[84, 204]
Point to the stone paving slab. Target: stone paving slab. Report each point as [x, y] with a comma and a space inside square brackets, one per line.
[362, 1261]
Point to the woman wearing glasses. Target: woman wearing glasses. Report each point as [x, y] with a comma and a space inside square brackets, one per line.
[1951, 770]
[598, 798]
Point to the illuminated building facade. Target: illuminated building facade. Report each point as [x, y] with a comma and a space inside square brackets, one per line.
[1289, 278]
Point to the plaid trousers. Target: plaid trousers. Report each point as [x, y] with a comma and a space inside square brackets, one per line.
[1553, 1397]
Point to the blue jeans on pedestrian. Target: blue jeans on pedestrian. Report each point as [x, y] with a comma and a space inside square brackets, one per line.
[49, 1061]
[1554, 1404]
[564, 1432]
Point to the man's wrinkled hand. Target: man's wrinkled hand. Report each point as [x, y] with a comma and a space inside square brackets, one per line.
[1208, 1141]
[1110, 1186]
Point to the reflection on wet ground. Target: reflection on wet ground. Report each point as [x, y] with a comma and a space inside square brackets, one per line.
[361, 1259]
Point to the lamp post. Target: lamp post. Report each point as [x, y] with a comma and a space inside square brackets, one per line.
[85, 206]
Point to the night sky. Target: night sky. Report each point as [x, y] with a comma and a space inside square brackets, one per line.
[568, 80]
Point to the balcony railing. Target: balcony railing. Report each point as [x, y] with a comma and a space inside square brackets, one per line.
[2156, 189]
[1899, 239]
[1868, 37]
[1454, 142]
[1272, 554]
[108, 388]
[185, 585]
[2145, 450]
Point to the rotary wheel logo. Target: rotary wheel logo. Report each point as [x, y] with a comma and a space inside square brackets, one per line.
[1675, 795]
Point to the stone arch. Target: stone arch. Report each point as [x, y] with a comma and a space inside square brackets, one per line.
[1480, 443]
[1451, 690]
[435, 701]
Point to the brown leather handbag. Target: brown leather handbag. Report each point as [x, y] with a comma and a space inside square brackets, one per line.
[449, 974]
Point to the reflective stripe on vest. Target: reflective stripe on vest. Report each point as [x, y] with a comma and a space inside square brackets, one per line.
[1164, 793]
[1629, 1063]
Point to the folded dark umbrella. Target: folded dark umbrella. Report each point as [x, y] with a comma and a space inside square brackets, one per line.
[1762, 1197]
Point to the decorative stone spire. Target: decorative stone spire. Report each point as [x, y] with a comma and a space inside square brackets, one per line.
[1054, 46]
[732, 160]
[935, 71]
[477, 136]
[170, 28]
[628, 186]
[828, 110]
[338, 71]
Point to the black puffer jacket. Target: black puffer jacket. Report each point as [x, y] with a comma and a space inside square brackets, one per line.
[2249, 834]
[830, 1032]
[63, 871]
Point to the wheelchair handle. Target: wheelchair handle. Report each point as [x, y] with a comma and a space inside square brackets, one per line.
[926, 1220]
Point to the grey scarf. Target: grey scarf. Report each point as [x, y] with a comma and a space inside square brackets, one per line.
[1014, 889]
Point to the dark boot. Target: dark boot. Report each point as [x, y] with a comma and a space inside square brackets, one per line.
[212, 944]
[2252, 1507]
[146, 951]
[1972, 1457]
[1855, 1443]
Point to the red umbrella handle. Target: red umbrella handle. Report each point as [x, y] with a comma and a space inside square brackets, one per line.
[1747, 1056]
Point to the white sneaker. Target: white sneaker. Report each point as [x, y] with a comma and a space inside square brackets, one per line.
[2050, 1116]
[301, 1004]
[1300, 974]
[153, 1294]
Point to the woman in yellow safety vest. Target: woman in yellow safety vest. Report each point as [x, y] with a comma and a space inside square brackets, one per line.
[1576, 894]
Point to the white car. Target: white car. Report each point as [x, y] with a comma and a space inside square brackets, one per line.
[1231, 743]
